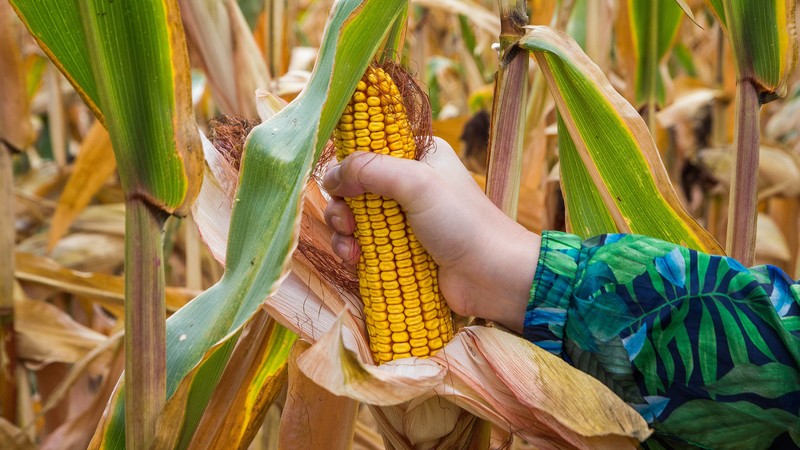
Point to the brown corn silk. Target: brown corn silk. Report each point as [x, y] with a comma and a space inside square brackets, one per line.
[405, 312]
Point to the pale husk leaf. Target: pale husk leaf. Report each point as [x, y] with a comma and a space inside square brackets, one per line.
[333, 366]
[306, 419]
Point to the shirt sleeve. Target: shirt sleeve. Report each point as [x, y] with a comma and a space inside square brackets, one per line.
[705, 349]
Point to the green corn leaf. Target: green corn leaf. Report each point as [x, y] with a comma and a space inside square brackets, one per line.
[144, 86]
[764, 41]
[654, 26]
[264, 226]
[137, 84]
[56, 27]
[576, 27]
[621, 165]
[580, 189]
[395, 40]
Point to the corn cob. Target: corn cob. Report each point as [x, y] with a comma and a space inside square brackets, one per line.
[406, 315]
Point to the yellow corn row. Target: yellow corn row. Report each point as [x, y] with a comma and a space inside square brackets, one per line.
[406, 314]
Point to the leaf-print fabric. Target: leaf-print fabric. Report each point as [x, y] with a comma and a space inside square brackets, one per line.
[705, 349]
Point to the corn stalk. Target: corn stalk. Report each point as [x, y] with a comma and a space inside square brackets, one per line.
[8, 353]
[15, 134]
[764, 43]
[508, 111]
[202, 336]
[138, 85]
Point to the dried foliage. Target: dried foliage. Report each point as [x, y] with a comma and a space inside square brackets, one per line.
[68, 237]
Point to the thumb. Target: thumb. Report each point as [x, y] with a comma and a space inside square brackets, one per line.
[389, 176]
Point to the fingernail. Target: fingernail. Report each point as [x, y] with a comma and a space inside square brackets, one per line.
[332, 179]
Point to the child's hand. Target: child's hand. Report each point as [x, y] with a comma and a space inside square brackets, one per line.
[486, 260]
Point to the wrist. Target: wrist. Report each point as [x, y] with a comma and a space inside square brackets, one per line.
[500, 291]
[513, 279]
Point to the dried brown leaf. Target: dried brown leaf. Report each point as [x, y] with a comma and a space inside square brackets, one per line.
[94, 165]
[246, 389]
[106, 289]
[77, 431]
[306, 421]
[12, 438]
[333, 366]
[233, 64]
[47, 334]
[508, 380]
[15, 123]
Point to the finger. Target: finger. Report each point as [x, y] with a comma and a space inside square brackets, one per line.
[448, 165]
[345, 247]
[385, 175]
[339, 217]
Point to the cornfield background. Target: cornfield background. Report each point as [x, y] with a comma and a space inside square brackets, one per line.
[63, 242]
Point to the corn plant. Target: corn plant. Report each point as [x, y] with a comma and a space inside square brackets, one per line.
[149, 120]
[276, 316]
[764, 43]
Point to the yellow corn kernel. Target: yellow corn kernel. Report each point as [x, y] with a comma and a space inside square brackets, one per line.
[405, 313]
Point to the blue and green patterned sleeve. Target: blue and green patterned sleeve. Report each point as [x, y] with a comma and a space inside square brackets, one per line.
[705, 349]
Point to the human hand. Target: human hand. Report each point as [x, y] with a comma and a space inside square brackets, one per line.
[486, 260]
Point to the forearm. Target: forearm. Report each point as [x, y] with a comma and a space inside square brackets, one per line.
[682, 336]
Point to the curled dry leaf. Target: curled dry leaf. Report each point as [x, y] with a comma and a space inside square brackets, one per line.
[784, 125]
[479, 16]
[533, 389]
[105, 289]
[47, 334]
[686, 106]
[12, 438]
[331, 365]
[778, 169]
[771, 245]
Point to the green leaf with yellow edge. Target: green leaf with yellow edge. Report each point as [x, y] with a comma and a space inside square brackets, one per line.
[654, 26]
[255, 375]
[144, 87]
[56, 26]
[763, 36]
[278, 158]
[108, 74]
[612, 142]
[580, 189]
